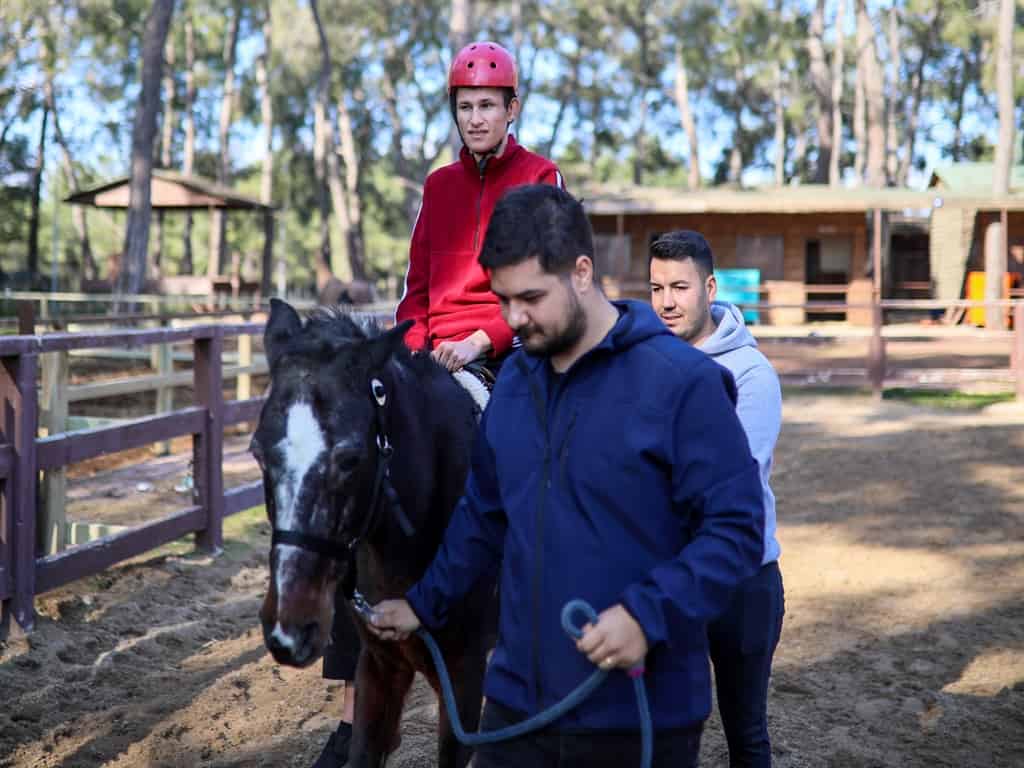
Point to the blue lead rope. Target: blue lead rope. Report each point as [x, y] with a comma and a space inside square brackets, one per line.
[570, 702]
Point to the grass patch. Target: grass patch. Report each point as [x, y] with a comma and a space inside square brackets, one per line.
[243, 532]
[947, 398]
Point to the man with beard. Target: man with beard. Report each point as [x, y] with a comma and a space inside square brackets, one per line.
[743, 639]
[610, 467]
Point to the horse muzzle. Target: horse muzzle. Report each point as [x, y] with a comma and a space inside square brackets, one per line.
[293, 645]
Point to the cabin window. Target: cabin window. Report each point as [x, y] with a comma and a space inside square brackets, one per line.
[761, 252]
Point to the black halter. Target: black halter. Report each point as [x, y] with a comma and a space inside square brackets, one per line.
[331, 547]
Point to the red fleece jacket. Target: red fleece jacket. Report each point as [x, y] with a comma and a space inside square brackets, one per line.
[447, 293]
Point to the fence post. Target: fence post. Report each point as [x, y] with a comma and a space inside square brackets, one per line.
[1018, 345]
[53, 529]
[208, 446]
[18, 516]
[26, 317]
[164, 364]
[876, 353]
[244, 391]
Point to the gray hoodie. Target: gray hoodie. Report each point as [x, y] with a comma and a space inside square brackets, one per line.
[759, 402]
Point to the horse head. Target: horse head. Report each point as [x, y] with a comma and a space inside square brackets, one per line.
[322, 449]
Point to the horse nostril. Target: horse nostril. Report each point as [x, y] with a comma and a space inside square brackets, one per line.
[309, 632]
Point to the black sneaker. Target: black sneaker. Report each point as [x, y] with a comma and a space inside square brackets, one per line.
[335, 752]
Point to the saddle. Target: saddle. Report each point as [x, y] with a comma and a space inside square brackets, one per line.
[478, 380]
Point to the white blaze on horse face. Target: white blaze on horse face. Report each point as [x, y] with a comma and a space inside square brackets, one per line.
[301, 447]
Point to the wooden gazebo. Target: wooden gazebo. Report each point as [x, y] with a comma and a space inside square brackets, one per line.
[172, 191]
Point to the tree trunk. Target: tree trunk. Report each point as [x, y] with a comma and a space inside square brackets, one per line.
[860, 133]
[218, 228]
[823, 88]
[403, 167]
[189, 148]
[874, 96]
[460, 34]
[736, 157]
[132, 275]
[78, 215]
[321, 129]
[916, 96]
[267, 173]
[780, 129]
[640, 140]
[166, 139]
[995, 252]
[353, 199]
[892, 142]
[37, 184]
[568, 96]
[1004, 92]
[682, 96]
[838, 76]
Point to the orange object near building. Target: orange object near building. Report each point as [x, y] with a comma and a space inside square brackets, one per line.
[976, 292]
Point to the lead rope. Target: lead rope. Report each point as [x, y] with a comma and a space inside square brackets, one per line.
[576, 697]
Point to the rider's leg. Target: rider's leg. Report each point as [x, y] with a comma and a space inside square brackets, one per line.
[340, 658]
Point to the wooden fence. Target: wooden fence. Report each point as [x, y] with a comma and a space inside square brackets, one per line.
[25, 573]
[26, 570]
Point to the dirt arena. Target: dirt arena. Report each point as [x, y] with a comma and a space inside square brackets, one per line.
[903, 557]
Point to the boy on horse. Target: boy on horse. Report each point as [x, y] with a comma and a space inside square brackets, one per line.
[611, 467]
[447, 293]
[456, 317]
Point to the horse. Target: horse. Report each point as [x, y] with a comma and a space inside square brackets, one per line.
[364, 449]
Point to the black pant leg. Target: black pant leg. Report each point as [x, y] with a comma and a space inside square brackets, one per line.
[534, 750]
[342, 654]
[742, 642]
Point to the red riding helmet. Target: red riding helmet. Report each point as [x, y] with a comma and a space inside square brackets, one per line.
[483, 65]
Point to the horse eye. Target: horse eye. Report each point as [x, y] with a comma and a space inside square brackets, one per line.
[348, 465]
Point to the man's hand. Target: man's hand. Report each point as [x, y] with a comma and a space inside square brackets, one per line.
[615, 641]
[453, 355]
[393, 620]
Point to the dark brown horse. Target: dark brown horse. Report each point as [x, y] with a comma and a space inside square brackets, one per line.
[364, 450]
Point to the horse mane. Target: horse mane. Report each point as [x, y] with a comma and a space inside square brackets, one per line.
[328, 327]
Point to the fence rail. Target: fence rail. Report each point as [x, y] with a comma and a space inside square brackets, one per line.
[24, 570]
[27, 567]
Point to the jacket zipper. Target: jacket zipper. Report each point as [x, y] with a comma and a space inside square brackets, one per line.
[538, 538]
[564, 453]
[479, 207]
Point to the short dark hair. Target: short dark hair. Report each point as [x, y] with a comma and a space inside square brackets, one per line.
[681, 245]
[538, 220]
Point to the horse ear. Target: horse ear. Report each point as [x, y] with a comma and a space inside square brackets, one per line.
[283, 323]
[388, 343]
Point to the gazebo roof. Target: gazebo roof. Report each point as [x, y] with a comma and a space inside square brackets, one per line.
[170, 191]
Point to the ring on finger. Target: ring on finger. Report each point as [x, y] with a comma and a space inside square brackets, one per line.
[608, 662]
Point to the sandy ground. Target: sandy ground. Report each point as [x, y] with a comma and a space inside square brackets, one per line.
[903, 558]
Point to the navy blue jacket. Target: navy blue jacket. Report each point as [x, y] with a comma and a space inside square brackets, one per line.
[627, 479]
